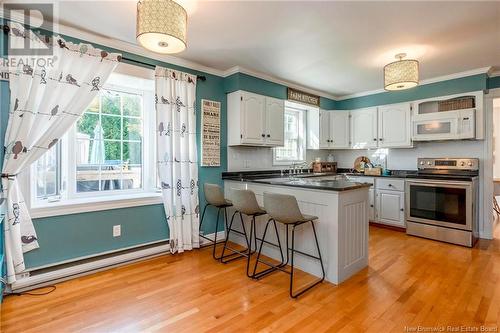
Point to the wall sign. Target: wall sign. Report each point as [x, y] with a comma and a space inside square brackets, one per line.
[4, 71]
[303, 97]
[210, 131]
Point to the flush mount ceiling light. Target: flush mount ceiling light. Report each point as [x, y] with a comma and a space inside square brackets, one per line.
[161, 26]
[401, 74]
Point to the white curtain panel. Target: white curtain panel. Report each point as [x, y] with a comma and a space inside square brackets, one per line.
[178, 156]
[46, 99]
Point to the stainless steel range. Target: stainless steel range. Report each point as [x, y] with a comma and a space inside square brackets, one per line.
[441, 201]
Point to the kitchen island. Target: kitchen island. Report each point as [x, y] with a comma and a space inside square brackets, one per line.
[342, 208]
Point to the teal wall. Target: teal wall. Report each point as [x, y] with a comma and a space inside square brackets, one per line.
[449, 87]
[241, 81]
[72, 236]
[494, 82]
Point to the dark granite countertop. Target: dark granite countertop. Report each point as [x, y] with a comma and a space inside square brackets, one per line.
[304, 180]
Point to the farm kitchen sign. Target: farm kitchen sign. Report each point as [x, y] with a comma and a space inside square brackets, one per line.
[302, 97]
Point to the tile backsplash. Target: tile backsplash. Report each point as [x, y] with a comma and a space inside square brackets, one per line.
[258, 158]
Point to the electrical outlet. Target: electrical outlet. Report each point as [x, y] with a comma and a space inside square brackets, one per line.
[117, 230]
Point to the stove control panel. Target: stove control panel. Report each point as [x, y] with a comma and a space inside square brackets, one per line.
[448, 163]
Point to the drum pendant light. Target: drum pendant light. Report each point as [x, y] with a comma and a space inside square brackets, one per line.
[161, 26]
[401, 74]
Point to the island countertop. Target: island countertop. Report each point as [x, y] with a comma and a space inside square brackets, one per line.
[334, 182]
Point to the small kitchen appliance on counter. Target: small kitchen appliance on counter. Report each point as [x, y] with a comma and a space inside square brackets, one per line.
[442, 198]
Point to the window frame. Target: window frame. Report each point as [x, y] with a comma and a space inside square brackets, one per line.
[70, 201]
[301, 138]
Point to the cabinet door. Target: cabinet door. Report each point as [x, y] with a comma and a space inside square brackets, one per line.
[364, 128]
[275, 118]
[253, 119]
[339, 129]
[394, 126]
[371, 202]
[390, 207]
[324, 129]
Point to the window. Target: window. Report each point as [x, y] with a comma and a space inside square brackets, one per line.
[109, 153]
[295, 142]
[109, 143]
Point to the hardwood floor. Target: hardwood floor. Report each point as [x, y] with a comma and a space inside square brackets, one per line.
[409, 282]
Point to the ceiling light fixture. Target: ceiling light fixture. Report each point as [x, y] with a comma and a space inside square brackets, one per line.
[161, 26]
[401, 74]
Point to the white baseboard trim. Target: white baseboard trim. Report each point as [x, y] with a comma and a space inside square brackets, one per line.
[58, 275]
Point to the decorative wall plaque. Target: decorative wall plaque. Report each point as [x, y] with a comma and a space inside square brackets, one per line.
[210, 131]
[303, 97]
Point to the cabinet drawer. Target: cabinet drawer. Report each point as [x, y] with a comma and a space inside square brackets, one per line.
[395, 184]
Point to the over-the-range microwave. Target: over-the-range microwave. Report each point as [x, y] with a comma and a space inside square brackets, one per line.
[449, 125]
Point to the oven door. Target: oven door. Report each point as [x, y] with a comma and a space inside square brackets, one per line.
[442, 203]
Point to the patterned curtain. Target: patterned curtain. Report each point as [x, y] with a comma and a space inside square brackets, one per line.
[47, 96]
[177, 156]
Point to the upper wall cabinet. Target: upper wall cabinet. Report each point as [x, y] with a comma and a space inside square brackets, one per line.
[254, 120]
[334, 130]
[394, 126]
[364, 128]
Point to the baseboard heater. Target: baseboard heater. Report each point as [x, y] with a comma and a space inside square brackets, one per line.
[42, 277]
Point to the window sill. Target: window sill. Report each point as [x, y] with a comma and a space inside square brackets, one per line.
[76, 206]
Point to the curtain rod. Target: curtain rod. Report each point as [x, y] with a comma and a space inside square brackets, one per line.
[6, 30]
[128, 60]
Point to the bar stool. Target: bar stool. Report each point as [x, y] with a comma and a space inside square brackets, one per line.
[284, 209]
[244, 203]
[215, 198]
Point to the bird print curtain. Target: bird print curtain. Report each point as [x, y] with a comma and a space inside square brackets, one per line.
[177, 155]
[47, 96]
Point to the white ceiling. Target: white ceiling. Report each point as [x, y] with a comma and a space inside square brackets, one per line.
[334, 47]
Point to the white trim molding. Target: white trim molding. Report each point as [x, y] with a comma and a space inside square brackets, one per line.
[483, 70]
[32, 281]
[267, 77]
[85, 205]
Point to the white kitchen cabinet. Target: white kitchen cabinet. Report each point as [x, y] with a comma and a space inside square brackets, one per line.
[364, 128]
[275, 122]
[339, 129]
[254, 120]
[324, 129]
[334, 129]
[312, 128]
[394, 126]
[390, 207]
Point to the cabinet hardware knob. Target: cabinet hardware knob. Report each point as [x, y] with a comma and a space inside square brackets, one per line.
[390, 185]
[269, 135]
[263, 135]
[381, 139]
[374, 139]
[402, 209]
[371, 205]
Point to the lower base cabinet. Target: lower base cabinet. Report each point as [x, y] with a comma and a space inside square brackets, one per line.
[390, 207]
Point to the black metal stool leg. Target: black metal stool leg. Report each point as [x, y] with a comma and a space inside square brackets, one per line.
[252, 230]
[215, 235]
[272, 267]
[292, 264]
[240, 254]
[203, 214]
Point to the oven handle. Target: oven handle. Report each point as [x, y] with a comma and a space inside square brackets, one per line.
[435, 183]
